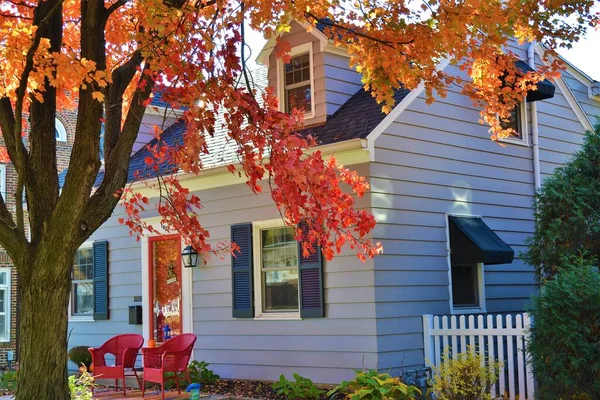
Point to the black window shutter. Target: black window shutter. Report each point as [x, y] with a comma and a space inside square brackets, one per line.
[101, 310]
[312, 304]
[241, 272]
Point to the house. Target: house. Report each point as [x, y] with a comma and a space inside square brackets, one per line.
[453, 209]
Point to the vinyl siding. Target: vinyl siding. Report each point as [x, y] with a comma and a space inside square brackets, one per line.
[341, 81]
[323, 349]
[437, 159]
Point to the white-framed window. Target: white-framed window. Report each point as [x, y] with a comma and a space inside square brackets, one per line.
[3, 181]
[467, 282]
[60, 132]
[296, 81]
[517, 122]
[82, 285]
[276, 274]
[5, 304]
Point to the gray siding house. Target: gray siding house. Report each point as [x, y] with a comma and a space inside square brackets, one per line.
[437, 181]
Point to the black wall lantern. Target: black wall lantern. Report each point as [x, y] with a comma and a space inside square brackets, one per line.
[190, 257]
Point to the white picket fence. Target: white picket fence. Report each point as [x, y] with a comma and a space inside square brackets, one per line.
[494, 336]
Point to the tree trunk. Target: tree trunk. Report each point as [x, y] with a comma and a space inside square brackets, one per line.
[44, 297]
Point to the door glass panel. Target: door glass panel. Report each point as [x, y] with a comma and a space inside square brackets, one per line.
[166, 289]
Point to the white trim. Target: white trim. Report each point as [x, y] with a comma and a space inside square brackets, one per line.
[3, 182]
[186, 284]
[524, 140]
[7, 305]
[568, 94]
[300, 49]
[574, 103]
[395, 113]
[480, 275]
[257, 226]
[60, 128]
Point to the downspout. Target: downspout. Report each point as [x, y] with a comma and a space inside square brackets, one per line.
[535, 138]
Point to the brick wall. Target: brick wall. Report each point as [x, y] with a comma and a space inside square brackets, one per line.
[63, 150]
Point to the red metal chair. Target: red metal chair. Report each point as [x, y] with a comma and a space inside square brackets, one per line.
[125, 349]
[173, 356]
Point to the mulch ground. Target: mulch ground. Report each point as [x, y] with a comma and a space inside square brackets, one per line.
[238, 388]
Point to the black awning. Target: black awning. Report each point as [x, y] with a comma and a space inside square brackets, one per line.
[545, 89]
[472, 241]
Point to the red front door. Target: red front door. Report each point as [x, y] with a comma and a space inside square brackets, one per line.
[165, 287]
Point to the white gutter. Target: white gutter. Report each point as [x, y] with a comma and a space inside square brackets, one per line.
[537, 179]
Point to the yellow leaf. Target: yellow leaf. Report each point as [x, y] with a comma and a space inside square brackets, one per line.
[98, 96]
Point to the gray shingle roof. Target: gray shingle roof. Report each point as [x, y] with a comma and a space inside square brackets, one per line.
[355, 119]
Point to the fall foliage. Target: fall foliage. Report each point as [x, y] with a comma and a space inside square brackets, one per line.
[104, 57]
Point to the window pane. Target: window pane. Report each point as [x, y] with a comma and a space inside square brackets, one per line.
[281, 290]
[2, 297]
[514, 122]
[83, 293]
[298, 70]
[279, 248]
[465, 291]
[2, 278]
[299, 98]
[2, 327]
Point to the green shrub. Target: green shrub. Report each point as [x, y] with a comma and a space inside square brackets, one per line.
[80, 355]
[568, 214]
[200, 373]
[301, 388]
[466, 376]
[9, 380]
[80, 387]
[564, 341]
[371, 385]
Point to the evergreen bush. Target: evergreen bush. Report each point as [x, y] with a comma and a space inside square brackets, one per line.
[568, 214]
[564, 341]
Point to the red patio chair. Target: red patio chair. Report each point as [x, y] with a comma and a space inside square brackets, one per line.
[173, 356]
[125, 349]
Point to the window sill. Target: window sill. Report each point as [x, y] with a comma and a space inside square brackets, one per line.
[459, 311]
[81, 318]
[514, 141]
[278, 317]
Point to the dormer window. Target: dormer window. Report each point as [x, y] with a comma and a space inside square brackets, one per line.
[517, 121]
[297, 84]
[296, 81]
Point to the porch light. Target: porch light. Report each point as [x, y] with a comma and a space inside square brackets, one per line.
[190, 257]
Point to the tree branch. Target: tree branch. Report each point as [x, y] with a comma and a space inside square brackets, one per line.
[114, 7]
[121, 78]
[355, 32]
[103, 201]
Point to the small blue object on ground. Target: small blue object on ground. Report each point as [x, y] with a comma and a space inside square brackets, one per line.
[194, 391]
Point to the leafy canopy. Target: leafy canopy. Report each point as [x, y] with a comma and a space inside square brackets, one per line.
[61, 53]
[567, 230]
